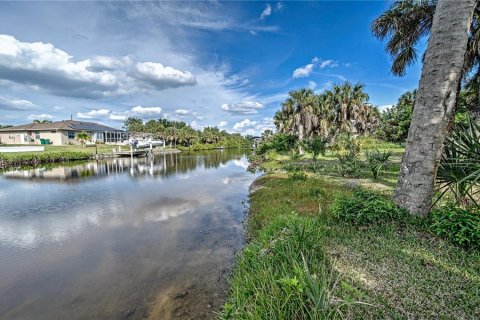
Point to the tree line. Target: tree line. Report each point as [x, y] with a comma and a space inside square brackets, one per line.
[179, 133]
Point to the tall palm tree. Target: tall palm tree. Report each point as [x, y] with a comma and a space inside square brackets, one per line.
[300, 108]
[408, 21]
[444, 66]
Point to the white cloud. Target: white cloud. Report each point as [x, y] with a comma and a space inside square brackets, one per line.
[43, 116]
[239, 126]
[246, 107]
[195, 125]
[222, 124]
[182, 112]
[162, 77]
[94, 114]
[312, 85]
[328, 63]
[58, 108]
[254, 128]
[146, 111]
[118, 117]
[304, 71]
[385, 107]
[15, 104]
[44, 66]
[266, 12]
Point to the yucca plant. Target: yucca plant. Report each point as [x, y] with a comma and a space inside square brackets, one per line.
[459, 169]
[377, 160]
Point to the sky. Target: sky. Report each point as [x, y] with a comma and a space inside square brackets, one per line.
[226, 64]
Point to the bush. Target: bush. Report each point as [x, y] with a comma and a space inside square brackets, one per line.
[377, 160]
[316, 145]
[297, 175]
[347, 149]
[365, 207]
[459, 226]
[279, 142]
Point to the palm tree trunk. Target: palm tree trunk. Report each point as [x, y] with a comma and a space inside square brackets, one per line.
[434, 107]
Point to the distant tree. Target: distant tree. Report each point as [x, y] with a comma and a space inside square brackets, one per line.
[83, 137]
[395, 121]
[267, 134]
[316, 145]
[132, 124]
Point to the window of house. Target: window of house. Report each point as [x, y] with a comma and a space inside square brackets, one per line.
[37, 135]
[71, 134]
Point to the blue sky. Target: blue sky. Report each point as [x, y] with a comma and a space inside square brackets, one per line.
[228, 64]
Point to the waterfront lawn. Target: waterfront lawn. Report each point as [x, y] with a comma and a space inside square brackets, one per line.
[302, 263]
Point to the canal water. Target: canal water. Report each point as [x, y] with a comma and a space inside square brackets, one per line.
[114, 239]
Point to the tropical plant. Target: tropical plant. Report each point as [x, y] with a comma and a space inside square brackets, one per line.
[406, 22]
[395, 121]
[447, 22]
[316, 145]
[83, 137]
[459, 226]
[377, 160]
[364, 207]
[459, 169]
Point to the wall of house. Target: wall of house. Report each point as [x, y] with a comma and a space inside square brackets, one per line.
[15, 137]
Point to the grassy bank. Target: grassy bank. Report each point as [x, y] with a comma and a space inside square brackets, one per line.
[37, 158]
[304, 262]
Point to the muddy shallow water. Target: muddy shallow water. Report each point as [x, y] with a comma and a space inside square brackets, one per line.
[152, 239]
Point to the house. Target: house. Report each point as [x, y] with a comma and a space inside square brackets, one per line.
[60, 133]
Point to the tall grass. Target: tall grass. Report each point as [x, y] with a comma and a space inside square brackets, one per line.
[284, 274]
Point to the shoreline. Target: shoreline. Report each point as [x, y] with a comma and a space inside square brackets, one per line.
[19, 160]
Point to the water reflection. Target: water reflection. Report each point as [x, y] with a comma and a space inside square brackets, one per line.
[157, 165]
[118, 233]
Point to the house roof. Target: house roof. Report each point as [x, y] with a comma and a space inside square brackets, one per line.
[71, 125]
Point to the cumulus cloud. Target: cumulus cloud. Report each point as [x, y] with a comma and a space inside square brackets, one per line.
[15, 104]
[94, 114]
[266, 12]
[246, 107]
[304, 71]
[312, 85]
[44, 66]
[146, 111]
[251, 127]
[43, 116]
[239, 126]
[162, 77]
[182, 112]
[118, 117]
[222, 124]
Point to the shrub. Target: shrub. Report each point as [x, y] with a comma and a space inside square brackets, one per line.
[347, 149]
[347, 164]
[459, 170]
[377, 160]
[297, 175]
[316, 145]
[459, 226]
[365, 207]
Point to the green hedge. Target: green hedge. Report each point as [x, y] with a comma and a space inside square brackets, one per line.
[30, 158]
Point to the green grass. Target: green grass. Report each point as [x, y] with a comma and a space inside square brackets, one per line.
[393, 270]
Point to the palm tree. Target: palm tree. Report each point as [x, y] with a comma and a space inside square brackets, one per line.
[83, 137]
[300, 109]
[408, 21]
[444, 66]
